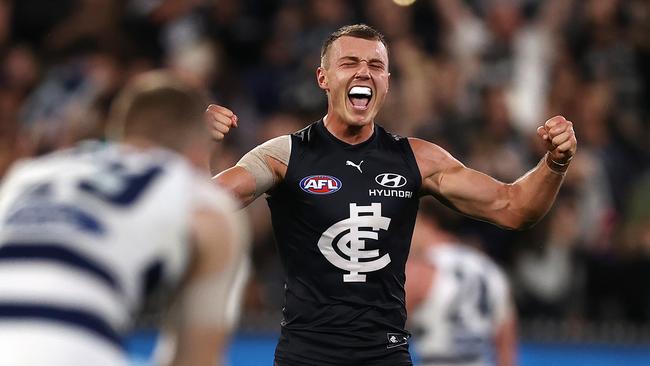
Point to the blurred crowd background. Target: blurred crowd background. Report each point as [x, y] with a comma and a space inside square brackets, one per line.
[474, 76]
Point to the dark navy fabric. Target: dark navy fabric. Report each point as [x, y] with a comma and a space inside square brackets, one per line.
[68, 317]
[59, 254]
[343, 219]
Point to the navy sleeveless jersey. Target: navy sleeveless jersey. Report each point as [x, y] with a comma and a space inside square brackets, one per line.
[343, 219]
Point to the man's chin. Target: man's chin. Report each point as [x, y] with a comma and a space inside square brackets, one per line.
[359, 119]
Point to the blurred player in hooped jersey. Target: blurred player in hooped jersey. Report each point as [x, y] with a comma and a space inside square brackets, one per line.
[458, 300]
[92, 234]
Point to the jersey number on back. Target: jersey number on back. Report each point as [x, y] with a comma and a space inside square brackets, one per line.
[118, 186]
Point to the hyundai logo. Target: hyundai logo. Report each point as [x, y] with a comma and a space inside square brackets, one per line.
[390, 180]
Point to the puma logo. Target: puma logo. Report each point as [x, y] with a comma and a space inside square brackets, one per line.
[358, 166]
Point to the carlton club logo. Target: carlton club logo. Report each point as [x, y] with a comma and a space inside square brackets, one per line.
[390, 180]
[364, 223]
[320, 184]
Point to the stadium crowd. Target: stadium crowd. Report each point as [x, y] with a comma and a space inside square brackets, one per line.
[474, 76]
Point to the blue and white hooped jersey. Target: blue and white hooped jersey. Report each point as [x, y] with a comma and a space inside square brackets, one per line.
[86, 236]
[468, 299]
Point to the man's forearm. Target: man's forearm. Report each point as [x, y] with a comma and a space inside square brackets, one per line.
[534, 193]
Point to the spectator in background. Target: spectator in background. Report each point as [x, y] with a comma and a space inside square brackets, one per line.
[92, 235]
[504, 49]
[548, 272]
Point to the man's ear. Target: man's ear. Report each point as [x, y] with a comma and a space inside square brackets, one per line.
[388, 83]
[322, 78]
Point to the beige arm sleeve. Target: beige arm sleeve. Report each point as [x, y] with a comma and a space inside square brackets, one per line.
[255, 162]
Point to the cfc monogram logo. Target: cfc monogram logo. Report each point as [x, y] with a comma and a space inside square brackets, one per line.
[352, 244]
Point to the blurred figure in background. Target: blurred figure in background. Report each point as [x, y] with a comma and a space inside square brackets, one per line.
[93, 235]
[460, 308]
[495, 44]
[547, 267]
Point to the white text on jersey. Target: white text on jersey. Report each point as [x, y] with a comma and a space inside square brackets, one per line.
[390, 193]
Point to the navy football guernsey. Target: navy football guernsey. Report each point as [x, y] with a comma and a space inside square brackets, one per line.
[343, 219]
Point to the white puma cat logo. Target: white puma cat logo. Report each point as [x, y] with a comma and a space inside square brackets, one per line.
[358, 166]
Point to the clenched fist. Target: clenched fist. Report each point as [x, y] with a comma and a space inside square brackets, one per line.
[219, 120]
[560, 141]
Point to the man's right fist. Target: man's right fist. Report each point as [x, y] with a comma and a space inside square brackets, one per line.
[219, 120]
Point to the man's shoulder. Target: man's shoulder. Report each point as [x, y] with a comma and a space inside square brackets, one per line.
[305, 134]
[426, 149]
[390, 135]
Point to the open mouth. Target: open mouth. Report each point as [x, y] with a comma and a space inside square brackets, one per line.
[360, 97]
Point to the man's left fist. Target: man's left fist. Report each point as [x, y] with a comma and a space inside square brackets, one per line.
[559, 139]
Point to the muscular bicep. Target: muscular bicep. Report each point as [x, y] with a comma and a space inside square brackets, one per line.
[474, 193]
[257, 171]
[466, 190]
[240, 182]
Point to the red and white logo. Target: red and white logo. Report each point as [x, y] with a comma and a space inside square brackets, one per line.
[320, 184]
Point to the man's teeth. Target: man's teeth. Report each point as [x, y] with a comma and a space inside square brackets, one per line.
[361, 90]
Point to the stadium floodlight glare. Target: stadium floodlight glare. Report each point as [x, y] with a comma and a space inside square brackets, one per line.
[404, 2]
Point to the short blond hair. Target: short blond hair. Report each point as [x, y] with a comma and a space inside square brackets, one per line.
[159, 107]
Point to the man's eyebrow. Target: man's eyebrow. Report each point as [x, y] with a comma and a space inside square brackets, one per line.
[357, 59]
[349, 58]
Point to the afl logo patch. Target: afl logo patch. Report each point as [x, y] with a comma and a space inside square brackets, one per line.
[320, 184]
[390, 180]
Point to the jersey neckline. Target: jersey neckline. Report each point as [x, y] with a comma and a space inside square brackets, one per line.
[320, 126]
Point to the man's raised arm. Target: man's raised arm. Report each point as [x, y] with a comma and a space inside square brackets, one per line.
[516, 205]
[257, 171]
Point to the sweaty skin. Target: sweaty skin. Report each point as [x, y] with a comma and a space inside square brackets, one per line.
[354, 74]
[353, 62]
